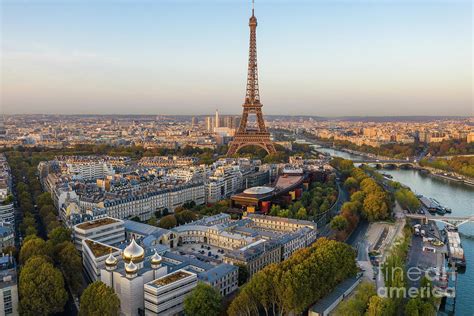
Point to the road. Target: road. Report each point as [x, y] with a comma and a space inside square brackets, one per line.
[343, 196]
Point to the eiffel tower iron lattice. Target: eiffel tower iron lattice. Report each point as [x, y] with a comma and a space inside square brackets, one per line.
[246, 136]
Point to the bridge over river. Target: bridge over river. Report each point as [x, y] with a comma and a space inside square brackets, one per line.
[394, 162]
[448, 220]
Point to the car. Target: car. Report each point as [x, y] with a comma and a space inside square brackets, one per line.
[429, 249]
[437, 243]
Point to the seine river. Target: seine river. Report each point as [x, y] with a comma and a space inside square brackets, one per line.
[458, 197]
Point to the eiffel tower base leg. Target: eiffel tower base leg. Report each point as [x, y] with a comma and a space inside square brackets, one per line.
[235, 147]
[232, 149]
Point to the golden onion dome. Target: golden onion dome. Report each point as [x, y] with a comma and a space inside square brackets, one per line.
[133, 251]
[111, 260]
[131, 268]
[156, 258]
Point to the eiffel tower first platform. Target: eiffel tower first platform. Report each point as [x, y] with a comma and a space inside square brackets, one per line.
[246, 136]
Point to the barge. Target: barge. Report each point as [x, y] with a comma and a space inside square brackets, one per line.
[456, 252]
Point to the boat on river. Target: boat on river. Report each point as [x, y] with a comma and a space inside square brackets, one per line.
[456, 252]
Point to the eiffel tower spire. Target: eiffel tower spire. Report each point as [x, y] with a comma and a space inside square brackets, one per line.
[253, 94]
[244, 135]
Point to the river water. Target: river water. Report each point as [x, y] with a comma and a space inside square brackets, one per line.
[460, 198]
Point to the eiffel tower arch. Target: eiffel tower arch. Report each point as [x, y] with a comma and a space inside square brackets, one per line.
[246, 136]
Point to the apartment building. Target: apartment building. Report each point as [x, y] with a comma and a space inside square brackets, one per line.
[7, 235]
[279, 223]
[7, 212]
[145, 203]
[107, 230]
[165, 296]
[8, 287]
[225, 181]
[255, 256]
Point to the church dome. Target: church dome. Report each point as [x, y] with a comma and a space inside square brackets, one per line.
[156, 259]
[111, 261]
[131, 268]
[133, 251]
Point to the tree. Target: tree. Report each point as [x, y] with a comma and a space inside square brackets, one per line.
[99, 299]
[59, 235]
[204, 300]
[47, 209]
[263, 289]
[379, 306]
[369, 185]
[275, 209]
[412, 307]
[339, 223]
[31, 231]
[41, 288]
[243, 304]
[350, 208]
[44, 199]
[358, 196]
[185, 216]
[407, 199]
[302, 214]
[33, 246]
[356, 305]
[243, 274]
[168, 221]
[28, 221]
[343, 165]
[294, 284]
[71, 264]
[152, 221]
[351, 184]
[375, 207]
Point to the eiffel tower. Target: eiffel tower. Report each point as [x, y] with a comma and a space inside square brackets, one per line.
[246, 136]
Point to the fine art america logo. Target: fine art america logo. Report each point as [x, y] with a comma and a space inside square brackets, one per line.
[416, 282]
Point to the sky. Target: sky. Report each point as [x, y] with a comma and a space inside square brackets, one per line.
[319, 57]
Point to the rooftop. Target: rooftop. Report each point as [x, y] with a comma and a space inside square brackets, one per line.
[97, 223]
[173, 277]
[99, 249]
[326, 302]
[259, 190]
[140, 228]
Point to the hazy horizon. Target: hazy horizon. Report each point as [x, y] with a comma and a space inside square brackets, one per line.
[316, 58]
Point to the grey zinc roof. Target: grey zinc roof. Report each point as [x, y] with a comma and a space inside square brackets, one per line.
[323, 304]
[217, 272]
[140, 228]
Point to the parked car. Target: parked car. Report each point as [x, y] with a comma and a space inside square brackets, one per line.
[429, 249]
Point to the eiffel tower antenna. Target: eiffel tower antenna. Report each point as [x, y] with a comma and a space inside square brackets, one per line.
[244, 135]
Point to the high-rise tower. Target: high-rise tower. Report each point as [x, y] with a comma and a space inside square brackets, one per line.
[3, 130]
[246, 136]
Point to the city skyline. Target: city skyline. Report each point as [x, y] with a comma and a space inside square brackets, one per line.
[117, 58]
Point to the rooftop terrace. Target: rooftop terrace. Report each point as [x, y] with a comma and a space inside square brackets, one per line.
[99, 249]
[170, 278]
[97, 223]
